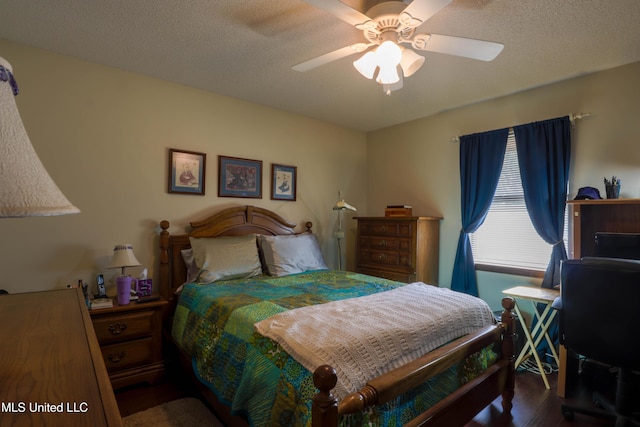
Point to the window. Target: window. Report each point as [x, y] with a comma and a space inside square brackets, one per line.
[507, 241]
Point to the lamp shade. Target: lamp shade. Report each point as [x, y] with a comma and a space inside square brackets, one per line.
[123, 257]
[394, 86]
[341, 205]
[388, 54]
[367, 64]
[26, 189]
[388, 75]
[410, 62]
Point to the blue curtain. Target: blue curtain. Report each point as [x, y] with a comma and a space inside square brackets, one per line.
[544, 154]
[481, 159]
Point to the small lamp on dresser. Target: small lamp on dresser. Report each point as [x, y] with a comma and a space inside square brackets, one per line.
[341, 206]
[123, 257]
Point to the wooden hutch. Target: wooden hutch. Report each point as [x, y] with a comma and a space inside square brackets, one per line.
[586, 217]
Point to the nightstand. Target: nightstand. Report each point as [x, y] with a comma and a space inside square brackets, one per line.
[130, 338]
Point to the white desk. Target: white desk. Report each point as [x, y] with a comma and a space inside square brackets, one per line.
[536, 295]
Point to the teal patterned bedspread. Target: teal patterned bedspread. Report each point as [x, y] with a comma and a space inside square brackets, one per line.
[254, 376]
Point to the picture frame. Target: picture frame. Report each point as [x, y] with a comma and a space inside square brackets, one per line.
[239, 177]
[187, 172]
[284, 183]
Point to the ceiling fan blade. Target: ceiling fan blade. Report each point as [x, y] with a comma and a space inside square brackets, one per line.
[340, 10]
[331, 56]
[459, 46]
[419, 11]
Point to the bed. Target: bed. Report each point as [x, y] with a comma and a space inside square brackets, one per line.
[233, 337]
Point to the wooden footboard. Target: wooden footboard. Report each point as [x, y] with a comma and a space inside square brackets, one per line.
[457, 408]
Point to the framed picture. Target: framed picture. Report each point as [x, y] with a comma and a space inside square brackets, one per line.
[239, 177]
[186, 172]
[283, 182]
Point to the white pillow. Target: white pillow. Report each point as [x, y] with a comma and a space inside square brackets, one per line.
[290, 254]
[223, 258]
[190, 264]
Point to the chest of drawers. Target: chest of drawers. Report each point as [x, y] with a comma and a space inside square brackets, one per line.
[405, 249]
[130, 338]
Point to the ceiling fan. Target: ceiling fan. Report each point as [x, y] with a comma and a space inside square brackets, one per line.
[389, 25]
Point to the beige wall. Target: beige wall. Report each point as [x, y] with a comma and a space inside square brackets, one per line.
[421, 168]
[103, 135]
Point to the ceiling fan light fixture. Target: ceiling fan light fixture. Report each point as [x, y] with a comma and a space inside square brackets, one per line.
[388, 54]
[410, 62]
[389, 24]
[367, 64]
[388, 75]
[387, 89]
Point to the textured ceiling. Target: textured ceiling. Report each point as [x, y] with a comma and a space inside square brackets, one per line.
[245, 49]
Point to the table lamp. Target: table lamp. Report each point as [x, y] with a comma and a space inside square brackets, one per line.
[123, 257]
[26, 189]
[341, 206]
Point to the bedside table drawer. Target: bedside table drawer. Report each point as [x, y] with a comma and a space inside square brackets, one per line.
[111, 329]
[128, 354]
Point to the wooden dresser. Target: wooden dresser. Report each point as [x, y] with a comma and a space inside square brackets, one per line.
[130, 338]
[51, 368]
[405, 249]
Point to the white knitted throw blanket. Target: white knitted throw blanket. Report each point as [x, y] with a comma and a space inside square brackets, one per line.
[365, 337]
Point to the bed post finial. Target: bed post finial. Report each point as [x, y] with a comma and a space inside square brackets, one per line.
[324, 409]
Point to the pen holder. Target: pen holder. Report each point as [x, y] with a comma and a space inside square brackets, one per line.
[613, 191]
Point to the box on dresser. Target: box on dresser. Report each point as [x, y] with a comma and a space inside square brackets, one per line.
[398, 210]
[405, 249]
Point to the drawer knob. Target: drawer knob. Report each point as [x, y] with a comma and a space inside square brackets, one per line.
[117, 328]
[382, 257]
[382, 243]
[116, 357]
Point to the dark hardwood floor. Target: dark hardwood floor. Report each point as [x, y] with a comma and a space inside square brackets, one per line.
[533, 405]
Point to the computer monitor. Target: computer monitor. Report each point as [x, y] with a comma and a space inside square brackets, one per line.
[618, 245]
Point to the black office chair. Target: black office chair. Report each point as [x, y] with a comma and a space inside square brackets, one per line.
[599, 319]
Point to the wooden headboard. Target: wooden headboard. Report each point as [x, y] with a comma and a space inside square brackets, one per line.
[236, 221]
